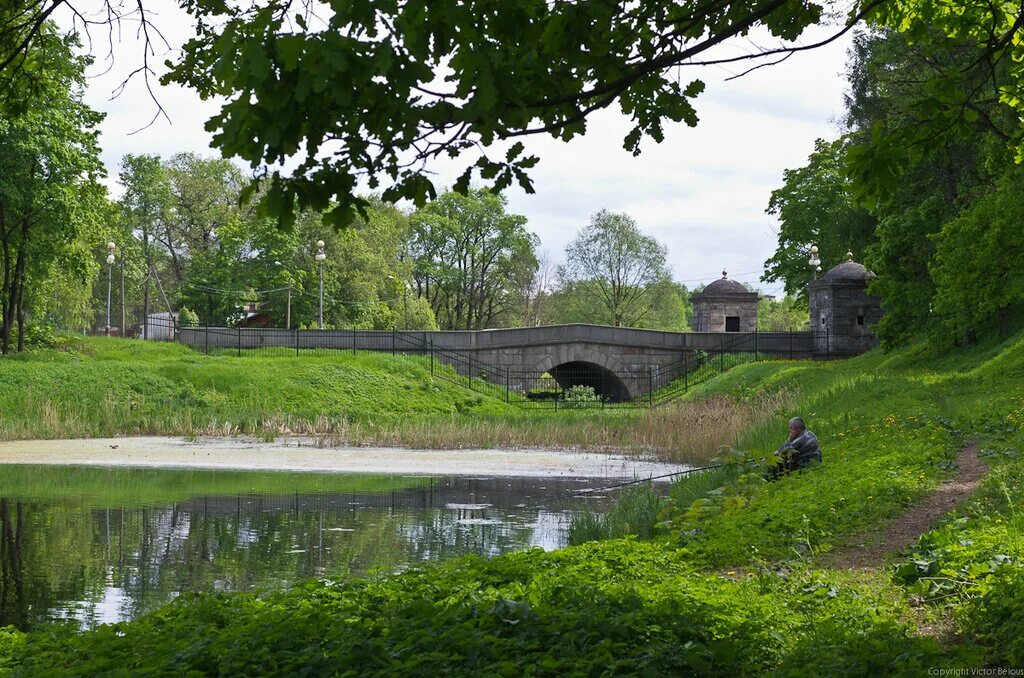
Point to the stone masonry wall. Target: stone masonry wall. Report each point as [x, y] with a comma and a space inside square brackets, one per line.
[710, 313]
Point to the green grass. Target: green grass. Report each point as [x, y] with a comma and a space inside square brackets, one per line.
[604, 608]
[888, 437]
[99, 387]
[635, 512]
[733, 582]
[973, 562]
[115, 387]
[891, 426]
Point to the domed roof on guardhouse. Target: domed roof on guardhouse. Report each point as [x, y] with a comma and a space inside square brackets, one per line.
[848, 272]
[725, 286]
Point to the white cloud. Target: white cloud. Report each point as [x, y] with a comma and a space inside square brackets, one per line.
[702, 191]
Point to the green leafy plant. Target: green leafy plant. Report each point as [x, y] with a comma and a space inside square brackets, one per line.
[187, 317]
[579, 397]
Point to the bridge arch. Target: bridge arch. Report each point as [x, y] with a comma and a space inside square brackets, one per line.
[575, 365]
[605, 383]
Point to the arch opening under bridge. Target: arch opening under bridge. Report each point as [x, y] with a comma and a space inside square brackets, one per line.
[605, 382]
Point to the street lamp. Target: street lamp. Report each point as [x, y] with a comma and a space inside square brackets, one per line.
[320, 256]
[110, 266]
[814, 262]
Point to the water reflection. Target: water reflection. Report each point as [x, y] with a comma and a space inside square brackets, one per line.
[101, 545]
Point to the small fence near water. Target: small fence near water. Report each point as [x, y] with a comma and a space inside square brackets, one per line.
[563, 387]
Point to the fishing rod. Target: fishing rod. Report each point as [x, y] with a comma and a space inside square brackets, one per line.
[671, 475]
[648, 479]
[591, 490]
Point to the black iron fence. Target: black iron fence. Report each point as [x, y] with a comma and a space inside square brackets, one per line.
[572, 386]
[262, 341]
[579, 387]
[696, 367]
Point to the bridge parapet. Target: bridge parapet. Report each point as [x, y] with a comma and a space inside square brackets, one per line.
[623, 364]
[778, 342]
[622, 341]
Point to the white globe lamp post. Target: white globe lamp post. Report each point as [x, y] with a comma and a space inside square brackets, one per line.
[814, 262]
[110, 266]
[320, 256]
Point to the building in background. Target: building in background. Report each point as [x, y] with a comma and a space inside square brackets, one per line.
[725, 306]
[842, 311]
[160, 326]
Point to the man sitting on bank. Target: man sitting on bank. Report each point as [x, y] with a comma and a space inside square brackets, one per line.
[800, 450]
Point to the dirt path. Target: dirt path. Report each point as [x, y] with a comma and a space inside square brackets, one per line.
[871, 550]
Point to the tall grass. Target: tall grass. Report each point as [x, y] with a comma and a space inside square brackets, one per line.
[109, 387]
[688, 431]
[634, 513]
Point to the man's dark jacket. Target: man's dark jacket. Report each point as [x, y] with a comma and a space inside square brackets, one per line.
[800, 451]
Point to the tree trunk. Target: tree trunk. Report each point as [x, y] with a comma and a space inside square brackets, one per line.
[12, 289]
[20, 312]
[5, 327]
[145, 309]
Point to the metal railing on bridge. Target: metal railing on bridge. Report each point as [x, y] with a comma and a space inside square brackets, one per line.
[572, 387]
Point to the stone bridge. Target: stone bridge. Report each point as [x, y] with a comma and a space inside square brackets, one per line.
[620, 363]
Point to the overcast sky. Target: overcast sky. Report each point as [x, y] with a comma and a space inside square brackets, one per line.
[702, 191]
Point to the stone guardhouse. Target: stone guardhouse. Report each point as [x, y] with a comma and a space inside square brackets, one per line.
[842, 311]
[725, 306]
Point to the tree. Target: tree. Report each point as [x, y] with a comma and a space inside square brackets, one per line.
[782, 315]
[473, 262]
[205, 194]
[613, 273]
[890, 76]
[537, 295]
[815, 206]
[672, 308]
[364, 273]
[146, 206]
[977, 263]
[939, 174]
[354, 90]
[50, 193]
[942, 72]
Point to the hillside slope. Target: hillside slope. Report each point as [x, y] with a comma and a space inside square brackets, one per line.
[103, 387]
[738, 582]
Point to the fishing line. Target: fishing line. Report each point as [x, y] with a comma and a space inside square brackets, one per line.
[576, 494]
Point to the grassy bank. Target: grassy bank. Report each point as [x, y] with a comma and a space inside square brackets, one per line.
[734, 581]
[108, 386]
[102, 387]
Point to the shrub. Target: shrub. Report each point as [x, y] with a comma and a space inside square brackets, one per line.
[41, 336]
[579, 397]
[997, 618]
[12, 641]
[188, 318]
[611, 608]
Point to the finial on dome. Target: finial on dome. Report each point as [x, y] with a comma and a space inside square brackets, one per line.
[723, 274]
[849, 256]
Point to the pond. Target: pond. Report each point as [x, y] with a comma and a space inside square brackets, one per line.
[103, 544]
